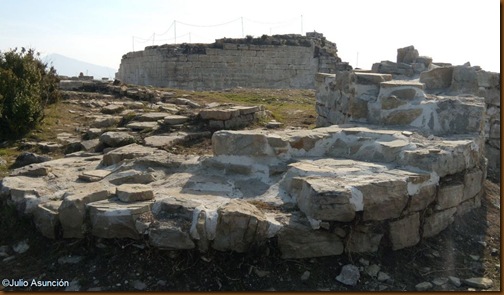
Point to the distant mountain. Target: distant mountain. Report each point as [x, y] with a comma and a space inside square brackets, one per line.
[67, 66]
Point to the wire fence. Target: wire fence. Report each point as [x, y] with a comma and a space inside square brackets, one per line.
[242, 23]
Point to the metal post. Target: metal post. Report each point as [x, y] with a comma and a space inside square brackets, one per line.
[301, 24]
[175, 31]
[243, 34]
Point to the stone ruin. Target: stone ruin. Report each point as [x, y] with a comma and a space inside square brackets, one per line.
[398, 165]
[278, 61]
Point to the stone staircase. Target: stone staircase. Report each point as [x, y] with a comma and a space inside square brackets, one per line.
[399, 172]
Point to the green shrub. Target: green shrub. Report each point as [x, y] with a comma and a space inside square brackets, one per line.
[26, 87]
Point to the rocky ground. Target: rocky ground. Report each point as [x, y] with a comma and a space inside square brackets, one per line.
[465, 256]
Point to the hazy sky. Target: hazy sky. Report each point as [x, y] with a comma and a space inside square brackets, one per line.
[365, 31]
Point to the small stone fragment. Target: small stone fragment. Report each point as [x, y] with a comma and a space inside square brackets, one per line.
[481, 283]
[305, 276]
[349, 275]
[424, 286]
[455, 281]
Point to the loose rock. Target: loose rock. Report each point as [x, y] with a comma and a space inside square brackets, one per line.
[349, 275]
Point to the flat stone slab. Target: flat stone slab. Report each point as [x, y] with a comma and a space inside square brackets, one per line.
[164, 140]
[219, 114]
[134, 192]
[112, 218]
[94, 175]
[175, 119]
[402, 83]
[139, 126]
[152, 117]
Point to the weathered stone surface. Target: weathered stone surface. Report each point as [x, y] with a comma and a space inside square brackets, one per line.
[437, 78]
[437, 222]
[298, 240]
[116, 139]
[139, 126]
[473, 183]
[131, 176]
[226, 142]
[384, 200]
[115, 219]
[112, 109]
[219, 114]
[94, 175]
[349, 275]
[326, 199]
[424, 286]
[402, 117]
[363, 239]
[46, 218]
[425, 195]
[449, 196]
[106, 121]
[405, 232]
[480, 282]
[175, 119]
[152, 117]
[407, 54]
[165, 140]
[26, 158]
[134, 192]
[171, 235]
[240, 225]
[131, 151]
[72, 211]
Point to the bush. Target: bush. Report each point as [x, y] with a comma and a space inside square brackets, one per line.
[26, 87]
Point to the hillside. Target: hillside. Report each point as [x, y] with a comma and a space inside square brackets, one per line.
[67, 66]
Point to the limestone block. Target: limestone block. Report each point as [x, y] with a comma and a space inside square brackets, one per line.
[112, 109]
[46, 218]
[437, 222]
[239, 226]
[177, 206]
[116, 139]
[449, 195]
[437, 78]
[469, 205]
[160, 141]
[175, 119]
[115, 219]
[371, 78]
[401, 117]
[395, 84]
[253, 143]
[72, 211]
[298, 240]
[221, 115]
[363, 240]
[383, 199]
[140, 126]
[473, 183]
[152, 117]
[405, 232]
[326, 199]
[425, 195]
[94, 175]
[407, 54]
[132, 192]
[464, 80]
[171, 235]
[131, 151]
[106, 121]
[24, 192]
[460, 115]
[131, 176]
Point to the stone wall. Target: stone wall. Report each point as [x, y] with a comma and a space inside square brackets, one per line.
[281, 61]
[434, 98]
